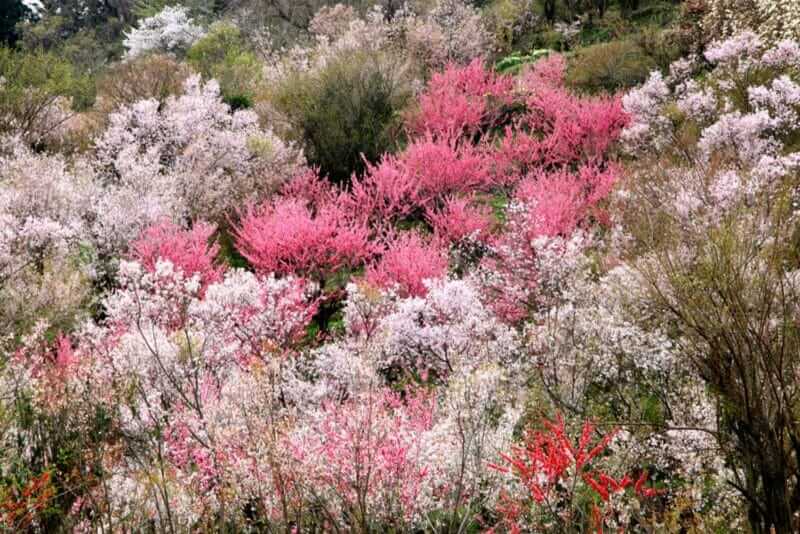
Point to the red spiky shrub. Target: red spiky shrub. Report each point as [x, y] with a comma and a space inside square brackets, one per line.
[551, 475]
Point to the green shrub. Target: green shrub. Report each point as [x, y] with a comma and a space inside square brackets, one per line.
[143, 9]
[33, 85]
[86, 41]
[552, 40]
[610, 66]
[224, 56]
[345, 113]
[514, 63]
[512, 23]
[664, 46]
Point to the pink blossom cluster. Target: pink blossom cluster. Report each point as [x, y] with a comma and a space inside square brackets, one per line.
[476, 134]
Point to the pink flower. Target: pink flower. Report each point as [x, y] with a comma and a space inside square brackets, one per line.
[459, 219]
[407, 263]
[189, 251]
[285, 236]
[461, 101]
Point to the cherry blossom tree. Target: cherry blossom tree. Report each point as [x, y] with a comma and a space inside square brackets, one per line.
[170, 30]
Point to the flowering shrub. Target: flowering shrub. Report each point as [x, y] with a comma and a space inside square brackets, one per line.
[366, 458]
[744, 131]
[462, 101]
[188, 250]
[43, 209]
[285, 237]
[202, 333]
[447, 331]
[406, 264]
[421, 178]
[719, 158]
[452, 32]
[193, 154]
[459, 219]
[770, 18]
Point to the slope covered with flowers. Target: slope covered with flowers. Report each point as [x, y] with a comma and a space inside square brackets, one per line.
[546, 312]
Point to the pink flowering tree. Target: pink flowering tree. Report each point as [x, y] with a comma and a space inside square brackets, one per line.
[406, 264]
[462, 101]
[189, 251]
[286, 236]
[421, 178]
[185, 363]
[477, 135]
[550, 217]
[364, 459]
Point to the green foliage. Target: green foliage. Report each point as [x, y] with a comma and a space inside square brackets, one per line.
[346, 113]
[143, 9]
[610, 66]
[228, 253]
[55, 443]
[106, 20]
[664, 46]
[88, 49]
[33, 82]
[514, 63]
[223, 54]
[47, 33]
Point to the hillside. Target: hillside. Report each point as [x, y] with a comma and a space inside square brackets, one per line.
[379, 266]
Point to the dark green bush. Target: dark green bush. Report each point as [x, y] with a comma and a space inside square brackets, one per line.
[345, 113]
[12, 12]
[609, 66]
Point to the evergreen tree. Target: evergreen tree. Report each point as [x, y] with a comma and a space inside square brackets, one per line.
[11, 12]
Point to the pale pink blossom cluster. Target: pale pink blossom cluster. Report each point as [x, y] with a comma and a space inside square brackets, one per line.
[45, 209]
[745, 129]
[450, 31]
[193, 154]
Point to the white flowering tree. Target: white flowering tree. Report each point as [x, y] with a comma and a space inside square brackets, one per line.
[190, 157]
[171, 30]
[716, 227]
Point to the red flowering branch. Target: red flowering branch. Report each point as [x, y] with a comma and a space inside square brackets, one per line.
[549, 467]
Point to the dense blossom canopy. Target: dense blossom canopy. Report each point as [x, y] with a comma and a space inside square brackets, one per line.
[539, 310]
